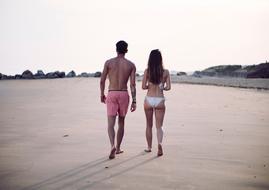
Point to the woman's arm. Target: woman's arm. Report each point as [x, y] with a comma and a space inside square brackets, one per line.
[145, 80]
[167, 81]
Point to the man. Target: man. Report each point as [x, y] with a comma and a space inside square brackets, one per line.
[118, 70]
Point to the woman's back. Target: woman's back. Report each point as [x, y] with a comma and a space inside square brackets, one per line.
[156, 90]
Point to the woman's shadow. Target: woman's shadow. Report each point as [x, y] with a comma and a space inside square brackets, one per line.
[70, 177]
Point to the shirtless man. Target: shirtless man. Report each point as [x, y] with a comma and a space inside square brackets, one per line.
[118, 70]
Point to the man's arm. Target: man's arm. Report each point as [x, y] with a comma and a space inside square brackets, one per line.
[103, 82]
[133, 88]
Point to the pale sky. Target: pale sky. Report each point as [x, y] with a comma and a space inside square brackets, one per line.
[81, 35]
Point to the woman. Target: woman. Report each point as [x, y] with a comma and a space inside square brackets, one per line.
[156, 79]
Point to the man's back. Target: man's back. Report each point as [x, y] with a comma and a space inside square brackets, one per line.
[119, 70]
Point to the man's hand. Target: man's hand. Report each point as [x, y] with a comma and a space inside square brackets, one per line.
[133, 106]
[103, 99]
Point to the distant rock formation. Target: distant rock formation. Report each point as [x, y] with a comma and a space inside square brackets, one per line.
[259, 71]
[180, 73]
[51, 75]
[39, 75]
[27, 75]
[252, 71]
[56, 74]
[60, 74]
[71, 74]
[2, 76]
[197, 74]
[17, 76]
[6, 77]
[91, 74]
[221, 70]
[84, 74]
[97, 74]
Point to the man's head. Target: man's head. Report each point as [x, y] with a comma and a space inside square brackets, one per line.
[121, 47]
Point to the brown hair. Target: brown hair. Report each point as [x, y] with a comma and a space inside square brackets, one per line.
[155, 67]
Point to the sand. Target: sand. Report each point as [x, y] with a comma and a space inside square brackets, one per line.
[53, 136]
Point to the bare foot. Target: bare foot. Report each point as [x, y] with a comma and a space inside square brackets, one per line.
[147, 150]
[112, 153]
[160, 150]
[119, 151]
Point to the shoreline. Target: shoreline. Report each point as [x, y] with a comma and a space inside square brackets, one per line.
[260, 84]
[257, 83]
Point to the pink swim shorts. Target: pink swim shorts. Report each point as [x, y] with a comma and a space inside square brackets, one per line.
[117, 103]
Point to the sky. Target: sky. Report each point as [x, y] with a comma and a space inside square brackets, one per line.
[81, 35]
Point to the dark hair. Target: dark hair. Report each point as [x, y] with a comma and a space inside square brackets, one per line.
[155, 66]
[121, 47]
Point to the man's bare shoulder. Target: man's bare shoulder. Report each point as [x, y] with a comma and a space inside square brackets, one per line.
[130, 62]
[111, 60]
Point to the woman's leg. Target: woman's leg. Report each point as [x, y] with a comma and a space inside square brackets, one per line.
[159, 115]
[149, 115]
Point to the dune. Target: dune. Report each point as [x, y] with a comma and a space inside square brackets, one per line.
[53, 136]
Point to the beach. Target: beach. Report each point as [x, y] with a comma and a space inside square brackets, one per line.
[53, 135]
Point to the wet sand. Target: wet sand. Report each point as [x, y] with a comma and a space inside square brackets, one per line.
[53, 136]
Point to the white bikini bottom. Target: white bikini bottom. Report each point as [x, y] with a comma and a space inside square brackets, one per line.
[154, 101]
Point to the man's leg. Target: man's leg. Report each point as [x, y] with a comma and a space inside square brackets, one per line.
[120, 133]
[111, 134]
[123, 108]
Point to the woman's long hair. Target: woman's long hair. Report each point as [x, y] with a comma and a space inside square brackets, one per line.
[155, 67]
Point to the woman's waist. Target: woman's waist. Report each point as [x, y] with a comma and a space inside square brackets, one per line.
[150, 94]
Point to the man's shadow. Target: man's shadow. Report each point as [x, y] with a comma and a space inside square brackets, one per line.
[116, 173]
[67, 178]
[67, 174]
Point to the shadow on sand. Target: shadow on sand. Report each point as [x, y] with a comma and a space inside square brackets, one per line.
[71, 177]
[117, 173]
